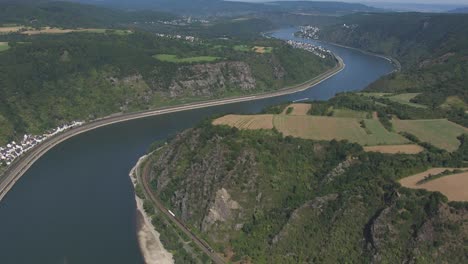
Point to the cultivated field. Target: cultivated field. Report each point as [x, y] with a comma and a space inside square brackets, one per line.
[454, 186]
[4, 46]
[403, 98]
[379, 135]
[6, 30]
[318, 128]
[246, 121]
[257, 49]
[261, 50]
[329, 128]
[350, 113]
[438, 132]
[395, 149]
[297, 109]
[176, 59]
[52, 30]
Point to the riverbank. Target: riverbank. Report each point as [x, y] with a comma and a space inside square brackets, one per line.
[17, 169]
[392, 60]
[151, 247]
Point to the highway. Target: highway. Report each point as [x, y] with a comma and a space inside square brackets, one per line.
[17, 169]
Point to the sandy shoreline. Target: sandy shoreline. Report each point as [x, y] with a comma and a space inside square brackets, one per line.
[151, 247]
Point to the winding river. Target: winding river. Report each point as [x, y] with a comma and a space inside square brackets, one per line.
[76, 203]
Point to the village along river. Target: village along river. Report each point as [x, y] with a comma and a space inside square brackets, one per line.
[76, 203]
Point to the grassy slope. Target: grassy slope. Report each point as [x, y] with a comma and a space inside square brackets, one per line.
[4, 46]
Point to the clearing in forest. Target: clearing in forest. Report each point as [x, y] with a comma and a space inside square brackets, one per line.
[257, 49]
[343, 112]
[395, 149]
[246, 121]
[404, 98]
[454, 186]
[297, 109]
[261, 49]
[4, 46]
[438, 132]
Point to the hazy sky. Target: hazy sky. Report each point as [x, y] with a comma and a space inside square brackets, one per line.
[461, 2]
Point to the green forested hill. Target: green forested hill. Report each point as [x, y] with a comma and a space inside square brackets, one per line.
[46, 80]
[229, 8]
[71, 15]
[432, 48]
[259, 197]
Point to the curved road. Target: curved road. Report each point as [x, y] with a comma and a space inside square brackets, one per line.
[23, 163]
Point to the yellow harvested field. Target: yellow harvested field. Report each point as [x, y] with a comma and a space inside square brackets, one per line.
[318, 128]
[395, 149]
[329, 128]
[246, 121]
[455, 186]
[298, 109]
[9, 29]
[261, 50]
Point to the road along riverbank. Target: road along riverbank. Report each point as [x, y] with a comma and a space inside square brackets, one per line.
[14, 172]
[151, 247]
[143, 177]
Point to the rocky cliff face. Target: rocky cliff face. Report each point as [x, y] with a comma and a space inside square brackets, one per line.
[259, 197]
[200, 190]
[446, 229]
[212, 79]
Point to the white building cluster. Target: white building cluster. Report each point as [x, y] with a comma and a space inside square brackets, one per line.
[309, 32]
[175, 22]
[187, 38]
[13, 149]
[316, 50]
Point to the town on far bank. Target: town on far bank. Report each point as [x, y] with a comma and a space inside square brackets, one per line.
[316, 50]
[14, 149]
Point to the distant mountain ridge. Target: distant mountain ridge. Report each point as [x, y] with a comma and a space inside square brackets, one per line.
[69, 14]
[463, 10]
[219, 7]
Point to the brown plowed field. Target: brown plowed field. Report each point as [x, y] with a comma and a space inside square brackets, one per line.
[246, 121]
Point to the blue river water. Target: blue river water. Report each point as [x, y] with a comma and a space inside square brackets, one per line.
[76, 204]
